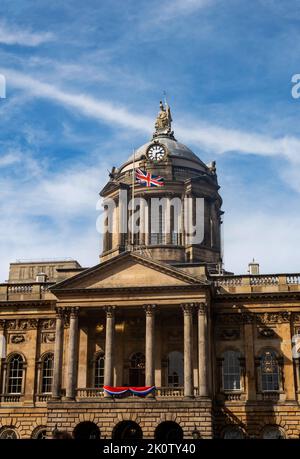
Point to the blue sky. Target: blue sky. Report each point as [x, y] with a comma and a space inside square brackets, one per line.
[83, 84]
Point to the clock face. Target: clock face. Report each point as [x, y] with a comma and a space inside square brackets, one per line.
[156, 152]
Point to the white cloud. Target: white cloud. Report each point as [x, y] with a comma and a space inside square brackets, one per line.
[166, 11]
[10, 35]
[221, 140]
[210, 137]
[65, 196]
[273, 240]
[53, 216]
[9, 158]
[101, 110]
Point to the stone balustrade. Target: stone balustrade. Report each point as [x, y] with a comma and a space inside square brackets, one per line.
[252, 283]
[230, 397]
[43, 397]
[32, 291]
[169, 392]
[272, 396]
[160, 392]
[89, 392]
[10, 398]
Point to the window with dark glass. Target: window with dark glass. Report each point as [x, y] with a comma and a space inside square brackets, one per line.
[233, 433]
[99, 370]
[137, 370]
[15, 374]
[157, 223]
[269, 371]
[231, 370]
[47, 373]
[8, 434]
[175, 369]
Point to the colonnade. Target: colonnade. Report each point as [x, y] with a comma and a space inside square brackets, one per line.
[188, 310]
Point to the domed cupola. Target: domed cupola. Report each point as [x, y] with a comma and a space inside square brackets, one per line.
[164, 170]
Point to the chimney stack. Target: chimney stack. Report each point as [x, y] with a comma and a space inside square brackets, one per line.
[253, 268]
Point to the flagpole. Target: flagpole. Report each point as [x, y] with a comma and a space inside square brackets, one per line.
[133, 185]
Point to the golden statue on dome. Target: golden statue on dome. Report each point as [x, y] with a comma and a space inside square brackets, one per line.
[163, 121]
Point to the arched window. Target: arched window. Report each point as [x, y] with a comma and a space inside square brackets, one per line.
[8, 433]
[39, 433]
[273, 433]
[47, 373]
[269, 371]
[137, 369]
[99, 370]
[175, 369]
[127, 430]
[233, 433]
[86, 430]
[15, 372]
[231, 370]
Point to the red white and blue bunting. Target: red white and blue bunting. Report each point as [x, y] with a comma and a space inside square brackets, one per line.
[141, 391]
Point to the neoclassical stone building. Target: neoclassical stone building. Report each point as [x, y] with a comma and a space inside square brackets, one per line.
[158, 310]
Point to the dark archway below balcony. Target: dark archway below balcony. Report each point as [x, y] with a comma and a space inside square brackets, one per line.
[86, 431]
[127, 430]
[168, 431]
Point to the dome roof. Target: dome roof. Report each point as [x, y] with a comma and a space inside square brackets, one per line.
[180, 154]
[176, 150]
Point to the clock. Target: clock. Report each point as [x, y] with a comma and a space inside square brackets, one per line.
[156, 152]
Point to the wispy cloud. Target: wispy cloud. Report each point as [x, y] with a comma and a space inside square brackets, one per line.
[11, 35]
[166, 11]
[86, 105]
[9, 158]
[210, 137]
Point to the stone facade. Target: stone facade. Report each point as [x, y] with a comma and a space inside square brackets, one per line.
[222, 350]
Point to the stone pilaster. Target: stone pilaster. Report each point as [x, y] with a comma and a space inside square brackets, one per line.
[58, 354]
[2, 352]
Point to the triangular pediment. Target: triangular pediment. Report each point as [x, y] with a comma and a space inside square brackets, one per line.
[128, 270]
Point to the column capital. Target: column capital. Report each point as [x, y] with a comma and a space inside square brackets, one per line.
[188, 308]
[201, 308]
[2, 324]
[59, 312]
[74, 312]
[149, 309]
[110, 311]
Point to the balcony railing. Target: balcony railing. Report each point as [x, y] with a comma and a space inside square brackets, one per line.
[34, 291]
[274, 396]
[169, 392]
[232, 397]
[251, 282]
[10, 397]
[43, 397]
[89, 392]
[160, 392]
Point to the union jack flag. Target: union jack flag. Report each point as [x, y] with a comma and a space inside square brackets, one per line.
[147, 179]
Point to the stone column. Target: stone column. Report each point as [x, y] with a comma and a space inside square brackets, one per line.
[58, 354]
[143, 221]
[188, 350]
[109, 344]
[150, 312]
[72, 356]
[168, 220]
[2, 353]
[202, 350]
